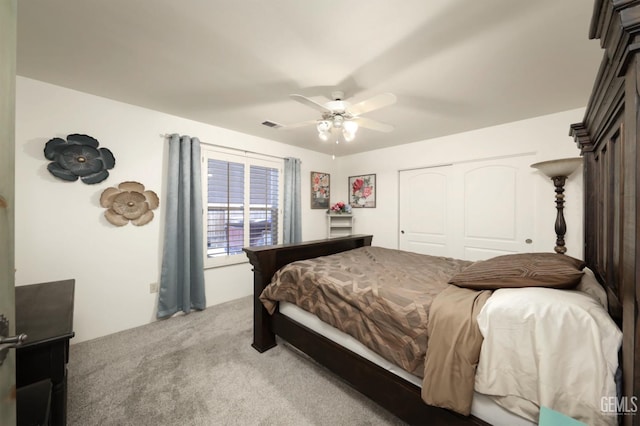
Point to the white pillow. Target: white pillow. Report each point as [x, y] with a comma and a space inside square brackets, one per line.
[551, 347]
[589, 284]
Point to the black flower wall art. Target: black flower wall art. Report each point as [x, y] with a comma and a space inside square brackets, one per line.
[129, 202]
[78, 157]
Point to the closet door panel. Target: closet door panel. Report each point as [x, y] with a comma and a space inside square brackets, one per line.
[424, 211]
[497, 206]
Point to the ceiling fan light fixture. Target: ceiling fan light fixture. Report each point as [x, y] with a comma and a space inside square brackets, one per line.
[350, 126]
[349, 129]
[348, 137]
[323, 126]
[342, 116]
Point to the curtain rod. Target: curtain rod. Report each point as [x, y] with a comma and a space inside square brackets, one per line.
[167, 135]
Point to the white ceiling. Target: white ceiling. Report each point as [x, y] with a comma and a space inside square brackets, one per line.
[454, 65]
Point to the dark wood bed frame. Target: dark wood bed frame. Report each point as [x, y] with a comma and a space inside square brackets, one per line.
[608, 141]
[390, 391]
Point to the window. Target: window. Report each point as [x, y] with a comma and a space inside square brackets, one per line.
[242, 199]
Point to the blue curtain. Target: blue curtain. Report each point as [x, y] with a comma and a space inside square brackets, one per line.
[292, 210]
[182, 277]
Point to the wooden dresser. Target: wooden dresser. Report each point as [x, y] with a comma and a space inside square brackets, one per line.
[44, 312]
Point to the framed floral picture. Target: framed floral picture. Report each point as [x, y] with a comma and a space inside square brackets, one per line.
[320, 190]
[362, 191]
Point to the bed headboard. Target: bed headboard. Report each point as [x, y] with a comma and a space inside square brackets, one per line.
[608, 141]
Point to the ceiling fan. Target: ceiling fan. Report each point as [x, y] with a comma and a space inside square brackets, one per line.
[339, 116]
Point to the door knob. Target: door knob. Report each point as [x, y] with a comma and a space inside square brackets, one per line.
[6, 342]
[12, 342]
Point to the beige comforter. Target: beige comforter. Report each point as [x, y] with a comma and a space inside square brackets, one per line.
[393, 302]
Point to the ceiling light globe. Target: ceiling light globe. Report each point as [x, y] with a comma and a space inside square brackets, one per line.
[324, 136]
[350, 126]
[348, 137]
[338, 120]
[323, 126]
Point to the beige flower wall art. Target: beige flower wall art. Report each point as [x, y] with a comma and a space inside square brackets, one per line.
[129, 202]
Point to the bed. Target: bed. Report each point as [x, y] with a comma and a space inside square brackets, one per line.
[391, 391]
[608, 141]
[380, 306]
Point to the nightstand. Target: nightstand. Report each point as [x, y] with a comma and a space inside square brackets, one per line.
[44, 312]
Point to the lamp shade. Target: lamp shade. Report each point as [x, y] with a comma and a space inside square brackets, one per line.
[560, 167]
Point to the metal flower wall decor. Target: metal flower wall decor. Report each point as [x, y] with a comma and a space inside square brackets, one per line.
[129, 202]
[78, 156]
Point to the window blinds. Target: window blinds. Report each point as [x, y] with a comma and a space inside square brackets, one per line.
[236, 191]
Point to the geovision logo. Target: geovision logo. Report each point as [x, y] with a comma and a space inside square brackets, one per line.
[626, 405]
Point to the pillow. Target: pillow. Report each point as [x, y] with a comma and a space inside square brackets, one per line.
[589, 284]
[533, 334]
[521, 270]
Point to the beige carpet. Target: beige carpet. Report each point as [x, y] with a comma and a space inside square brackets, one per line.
[200, 369]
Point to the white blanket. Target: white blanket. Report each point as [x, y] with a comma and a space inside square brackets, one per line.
[547, 347]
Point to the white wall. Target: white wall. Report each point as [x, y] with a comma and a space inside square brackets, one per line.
[61, 231]
[546, 136]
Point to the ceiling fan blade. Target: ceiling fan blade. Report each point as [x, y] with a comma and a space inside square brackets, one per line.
[296, 125]
[368, 123]
[275, 125]
[311, 103]
[376, 102]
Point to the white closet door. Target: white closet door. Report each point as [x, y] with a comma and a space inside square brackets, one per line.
[497, 206]
[424, 208]
[472, 210]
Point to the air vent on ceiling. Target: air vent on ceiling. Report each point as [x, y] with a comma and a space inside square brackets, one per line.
[271, 124]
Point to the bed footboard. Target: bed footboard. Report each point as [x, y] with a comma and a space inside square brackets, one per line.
[266, 260]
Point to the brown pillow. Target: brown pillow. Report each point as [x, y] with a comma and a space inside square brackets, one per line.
[521, 270]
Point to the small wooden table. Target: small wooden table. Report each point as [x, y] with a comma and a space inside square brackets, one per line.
[44, 312]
